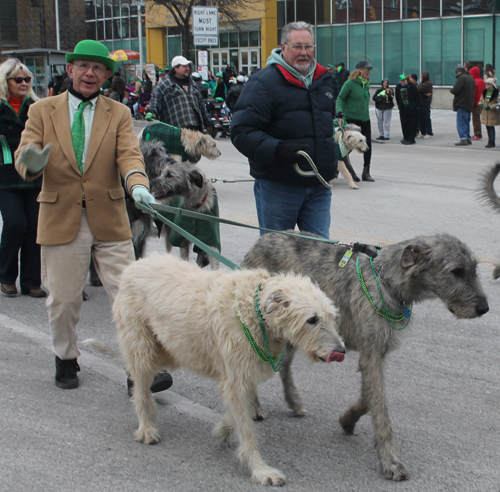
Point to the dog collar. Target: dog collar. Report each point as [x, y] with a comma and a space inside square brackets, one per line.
[203, 200]
[276, 362]
[390, 317]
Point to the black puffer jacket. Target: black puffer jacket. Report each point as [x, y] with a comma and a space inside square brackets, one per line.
[275, 107]
[11, 127]
[384, 98]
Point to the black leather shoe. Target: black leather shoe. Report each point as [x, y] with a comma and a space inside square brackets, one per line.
[66, 377]
[161, 382]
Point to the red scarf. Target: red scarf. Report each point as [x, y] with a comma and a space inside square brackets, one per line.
[16, 103]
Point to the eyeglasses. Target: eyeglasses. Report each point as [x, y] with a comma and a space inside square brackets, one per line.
[20, 80]
[97, 69]
[300, 47]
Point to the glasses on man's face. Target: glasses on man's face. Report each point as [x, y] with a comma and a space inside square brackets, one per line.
[297, 48]
[20, 80]
[97, 69]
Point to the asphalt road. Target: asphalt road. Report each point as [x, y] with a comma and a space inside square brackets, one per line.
[443, 384]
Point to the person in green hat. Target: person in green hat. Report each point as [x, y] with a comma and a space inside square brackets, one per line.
[82, 143]
[220, 88]
[408, 100]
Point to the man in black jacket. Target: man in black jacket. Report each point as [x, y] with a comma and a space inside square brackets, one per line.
[463, 103]
[286, 107]
[408, 99]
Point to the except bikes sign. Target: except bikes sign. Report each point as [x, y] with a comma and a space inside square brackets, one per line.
[205, 26]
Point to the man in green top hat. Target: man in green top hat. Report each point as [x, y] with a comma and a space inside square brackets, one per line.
[81, 142]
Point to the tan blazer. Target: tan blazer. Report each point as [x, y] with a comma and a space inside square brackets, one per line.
[113, 150]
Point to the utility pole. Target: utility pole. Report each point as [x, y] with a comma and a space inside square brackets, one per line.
[58, 37]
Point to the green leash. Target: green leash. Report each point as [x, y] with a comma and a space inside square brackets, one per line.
[385, 312]
[276, 362]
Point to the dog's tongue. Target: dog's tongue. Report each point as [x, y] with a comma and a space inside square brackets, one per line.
[337, 356]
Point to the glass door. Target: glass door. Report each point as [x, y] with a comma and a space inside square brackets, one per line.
[249, 60]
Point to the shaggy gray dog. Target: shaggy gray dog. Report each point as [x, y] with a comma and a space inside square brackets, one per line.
[425, 267]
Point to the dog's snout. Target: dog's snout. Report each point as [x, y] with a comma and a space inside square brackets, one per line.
[482, 308]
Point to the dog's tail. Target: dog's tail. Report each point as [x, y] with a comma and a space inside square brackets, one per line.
[486, 192]
[105, 349]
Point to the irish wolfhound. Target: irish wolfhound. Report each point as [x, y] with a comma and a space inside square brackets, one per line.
[487, 194]
[347, 139]
[195, 193]
[411, 271]
[180, 143]
[171, 314]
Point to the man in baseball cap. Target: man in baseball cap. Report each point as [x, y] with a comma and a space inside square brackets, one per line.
[177, 99]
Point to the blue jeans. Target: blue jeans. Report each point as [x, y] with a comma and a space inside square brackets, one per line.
[463, 124]
[281, 206]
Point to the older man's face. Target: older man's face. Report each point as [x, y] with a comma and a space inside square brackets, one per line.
[181, 71]
[88, 76]
[298, 52]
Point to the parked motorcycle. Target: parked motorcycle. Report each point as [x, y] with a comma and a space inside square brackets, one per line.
[220, 116]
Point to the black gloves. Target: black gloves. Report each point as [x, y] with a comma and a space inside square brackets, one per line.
[286, 152]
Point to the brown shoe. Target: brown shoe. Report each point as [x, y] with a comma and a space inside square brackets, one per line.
[10, 290]
[36, 292]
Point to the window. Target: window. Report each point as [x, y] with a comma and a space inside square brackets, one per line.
[374, 50]
[244, 38]
[91, 34]
[224, 40]
[431, 50]
[305, 10]
[373, 10]
[431, 8]
[392, 10]
[477, 47]
[451, 44]
[392, 51]
[411, 47]
[8, 22]
[254, 37]
[323, 11]
[233, 39]
[89, 10]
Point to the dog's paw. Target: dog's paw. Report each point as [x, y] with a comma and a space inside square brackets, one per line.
[347, 423]
[223, 432]
[258, 414]
[268, 476]
[147, 436]
[354, 187]
[299, 411]
[395, 471]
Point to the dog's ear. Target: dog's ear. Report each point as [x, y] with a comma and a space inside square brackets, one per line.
[412, 255]
[275, 301]
[196, 178]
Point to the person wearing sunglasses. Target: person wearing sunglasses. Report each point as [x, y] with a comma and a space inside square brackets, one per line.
[82, 143]
[286, 107]
[19, 252]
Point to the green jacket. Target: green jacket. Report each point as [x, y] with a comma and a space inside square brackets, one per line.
[354, 100]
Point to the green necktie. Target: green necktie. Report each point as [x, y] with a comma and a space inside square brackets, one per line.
[78, 134]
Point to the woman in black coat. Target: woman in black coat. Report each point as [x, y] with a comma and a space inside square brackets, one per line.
[18, 204]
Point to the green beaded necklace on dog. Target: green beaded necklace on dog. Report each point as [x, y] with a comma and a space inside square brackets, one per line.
[276, 362]
[385, 312]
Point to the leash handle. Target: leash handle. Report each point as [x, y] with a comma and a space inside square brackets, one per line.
[314, 171]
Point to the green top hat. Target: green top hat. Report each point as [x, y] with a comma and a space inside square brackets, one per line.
[91, 50]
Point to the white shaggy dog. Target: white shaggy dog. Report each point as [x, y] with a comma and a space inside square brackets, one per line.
[170, 313]
[347, 139]
[181, 143]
